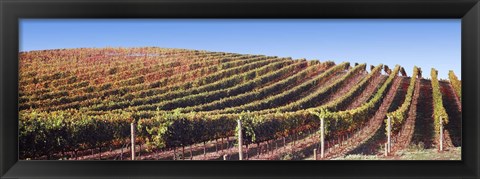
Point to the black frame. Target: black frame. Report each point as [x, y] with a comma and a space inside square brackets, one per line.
[12, 10]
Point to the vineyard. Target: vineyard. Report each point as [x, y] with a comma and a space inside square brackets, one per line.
[177, 104]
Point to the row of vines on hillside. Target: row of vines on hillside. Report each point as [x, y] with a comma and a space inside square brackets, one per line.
[456, 84]
[439, 112]
[400, 115]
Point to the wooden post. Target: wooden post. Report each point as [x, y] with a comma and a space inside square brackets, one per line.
[175, 153]
[221, 146]
[276, 146]
[204, 150]
[258, 150]
[132, 135]
[267, 148]
[441, 134]
[246, 152]
[191, 152]
[386, 151]
[389, 130]
[314, 154]
[322, 139]
[121, 153]
[346, 138]
[140, 152]
[271, 146]
[228, 143]
[240, 141]
[183, 152]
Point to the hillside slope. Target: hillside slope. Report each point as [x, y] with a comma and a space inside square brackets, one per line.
[80, 99]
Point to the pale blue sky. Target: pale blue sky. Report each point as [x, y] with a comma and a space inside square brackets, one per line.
[426, 43]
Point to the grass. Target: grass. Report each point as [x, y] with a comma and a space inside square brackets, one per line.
[414, 152]
[430, 154]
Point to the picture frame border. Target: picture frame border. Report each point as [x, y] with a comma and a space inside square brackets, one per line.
[11, 11]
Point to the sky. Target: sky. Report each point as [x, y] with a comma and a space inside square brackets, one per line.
[425, 43]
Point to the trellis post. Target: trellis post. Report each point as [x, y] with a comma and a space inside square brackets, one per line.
[441, 134]
[240, 141]
[389, 131]
[386, 146]
[322, 138]
[132, 135]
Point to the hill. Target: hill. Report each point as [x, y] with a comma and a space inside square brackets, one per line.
[75, 103]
